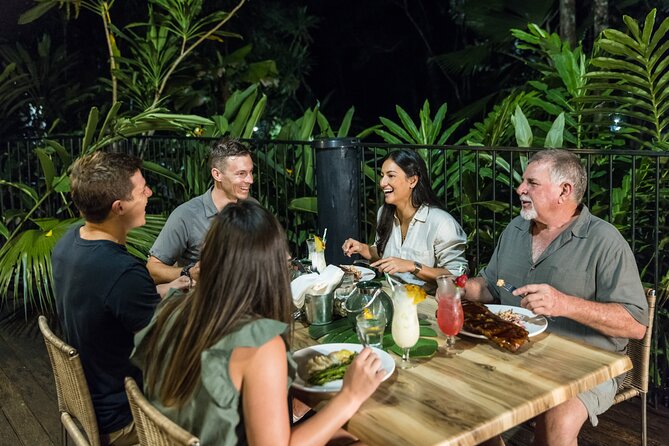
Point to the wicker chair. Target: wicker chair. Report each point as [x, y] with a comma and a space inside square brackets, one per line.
[636, 380]
[74, 398]
[154, 428]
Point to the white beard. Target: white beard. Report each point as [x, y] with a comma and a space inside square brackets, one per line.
[528, 214]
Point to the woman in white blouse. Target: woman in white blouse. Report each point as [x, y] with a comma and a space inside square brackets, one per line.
[416, 238]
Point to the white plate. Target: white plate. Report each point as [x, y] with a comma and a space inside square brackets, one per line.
[302, 356]
[536, 326]
[366, 273]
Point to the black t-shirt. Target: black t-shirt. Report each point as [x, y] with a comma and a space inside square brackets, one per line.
[103, 296]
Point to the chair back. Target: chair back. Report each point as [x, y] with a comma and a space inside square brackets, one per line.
[154, 428]
[74, 398]
[638, 350]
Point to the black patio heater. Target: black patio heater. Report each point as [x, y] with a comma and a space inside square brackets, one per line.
[338, 193]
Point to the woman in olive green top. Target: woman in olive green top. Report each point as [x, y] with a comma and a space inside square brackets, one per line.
[216, 362]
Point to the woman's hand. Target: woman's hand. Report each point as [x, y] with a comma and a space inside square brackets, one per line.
[183, 283]
[394, 265]
[363, 376]
[352, 246]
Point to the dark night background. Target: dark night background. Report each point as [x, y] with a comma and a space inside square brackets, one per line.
[372, 54]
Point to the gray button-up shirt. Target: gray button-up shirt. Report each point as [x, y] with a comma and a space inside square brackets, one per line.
[590, 259]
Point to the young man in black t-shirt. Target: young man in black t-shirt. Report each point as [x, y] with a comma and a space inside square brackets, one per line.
[103, 293]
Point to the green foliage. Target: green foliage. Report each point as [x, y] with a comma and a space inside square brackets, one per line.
[41, 89]
[563, 82]
[25, 258]
[495, 129]
[524, 132]
[631, 77]
[429, 132]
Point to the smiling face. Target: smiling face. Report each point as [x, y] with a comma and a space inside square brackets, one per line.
[396, 186]
[235, 176]
[539, 196]
[134, 209]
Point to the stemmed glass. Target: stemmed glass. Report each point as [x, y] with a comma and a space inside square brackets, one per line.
[450, 316]
[405, 328]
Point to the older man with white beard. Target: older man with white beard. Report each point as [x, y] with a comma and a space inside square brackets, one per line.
[573, 267]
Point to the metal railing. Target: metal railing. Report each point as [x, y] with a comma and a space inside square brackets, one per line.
[476, 185]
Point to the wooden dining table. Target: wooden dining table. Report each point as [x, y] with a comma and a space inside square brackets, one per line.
[475, 394]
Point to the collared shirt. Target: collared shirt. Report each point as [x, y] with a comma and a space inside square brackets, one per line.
[181, 238]
[589, 259]
[434, 238]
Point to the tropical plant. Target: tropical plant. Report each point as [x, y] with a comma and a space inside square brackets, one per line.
[25, 257]
[44, 90]
[174, 30]
[631, 80]
[12, 96]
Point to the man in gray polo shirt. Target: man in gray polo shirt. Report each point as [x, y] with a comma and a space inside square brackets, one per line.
[573, 267]
[177, 249]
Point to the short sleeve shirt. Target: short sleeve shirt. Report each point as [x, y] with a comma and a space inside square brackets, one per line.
[434, 239]
[103, 296]
[181, 238]
[590, 259]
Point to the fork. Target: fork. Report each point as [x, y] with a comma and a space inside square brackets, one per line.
[510, 288]
[507, 286]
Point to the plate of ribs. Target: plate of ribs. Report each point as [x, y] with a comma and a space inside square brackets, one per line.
[506, 326]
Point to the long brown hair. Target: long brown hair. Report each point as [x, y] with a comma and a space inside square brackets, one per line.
[412, 165]
[243, 276]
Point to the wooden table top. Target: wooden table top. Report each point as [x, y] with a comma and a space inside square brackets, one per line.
[478, 393]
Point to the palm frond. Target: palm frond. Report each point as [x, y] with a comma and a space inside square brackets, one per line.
[630, 79]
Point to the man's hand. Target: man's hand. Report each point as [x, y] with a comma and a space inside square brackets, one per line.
[543, 299]
[609, 318]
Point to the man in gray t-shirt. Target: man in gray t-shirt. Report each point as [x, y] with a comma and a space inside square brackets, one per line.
[177, 249]
[573, 267]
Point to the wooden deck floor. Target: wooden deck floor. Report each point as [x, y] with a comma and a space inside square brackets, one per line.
[29, 413]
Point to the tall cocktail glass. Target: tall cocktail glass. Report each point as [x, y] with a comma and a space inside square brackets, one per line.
[450, 316]
[405, 327]
[316, 255]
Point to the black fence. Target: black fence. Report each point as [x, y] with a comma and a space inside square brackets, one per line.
[475, 184]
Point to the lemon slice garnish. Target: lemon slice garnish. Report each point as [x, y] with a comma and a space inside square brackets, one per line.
[319, 244]
[367, 313]
[416, 293]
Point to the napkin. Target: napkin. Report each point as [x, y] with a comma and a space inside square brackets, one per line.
[328, 280]
[322, 283]
[299, 287]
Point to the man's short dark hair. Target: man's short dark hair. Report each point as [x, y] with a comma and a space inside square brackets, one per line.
[99, 179]
[225, 148]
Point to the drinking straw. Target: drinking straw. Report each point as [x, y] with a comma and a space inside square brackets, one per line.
[390, 282]
[325, 234]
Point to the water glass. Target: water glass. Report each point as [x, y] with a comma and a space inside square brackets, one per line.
[371, 324]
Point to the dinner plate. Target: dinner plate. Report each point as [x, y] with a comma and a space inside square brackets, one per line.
[302, 356]
[365, 273]
[536, 325]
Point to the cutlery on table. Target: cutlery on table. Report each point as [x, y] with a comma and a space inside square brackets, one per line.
[510, 288]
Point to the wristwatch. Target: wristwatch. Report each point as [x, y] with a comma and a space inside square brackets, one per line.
[417, 268]
[185, 271]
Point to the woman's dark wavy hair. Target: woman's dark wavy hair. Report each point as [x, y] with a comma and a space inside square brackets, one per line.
[412, 164]
[243, 277]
